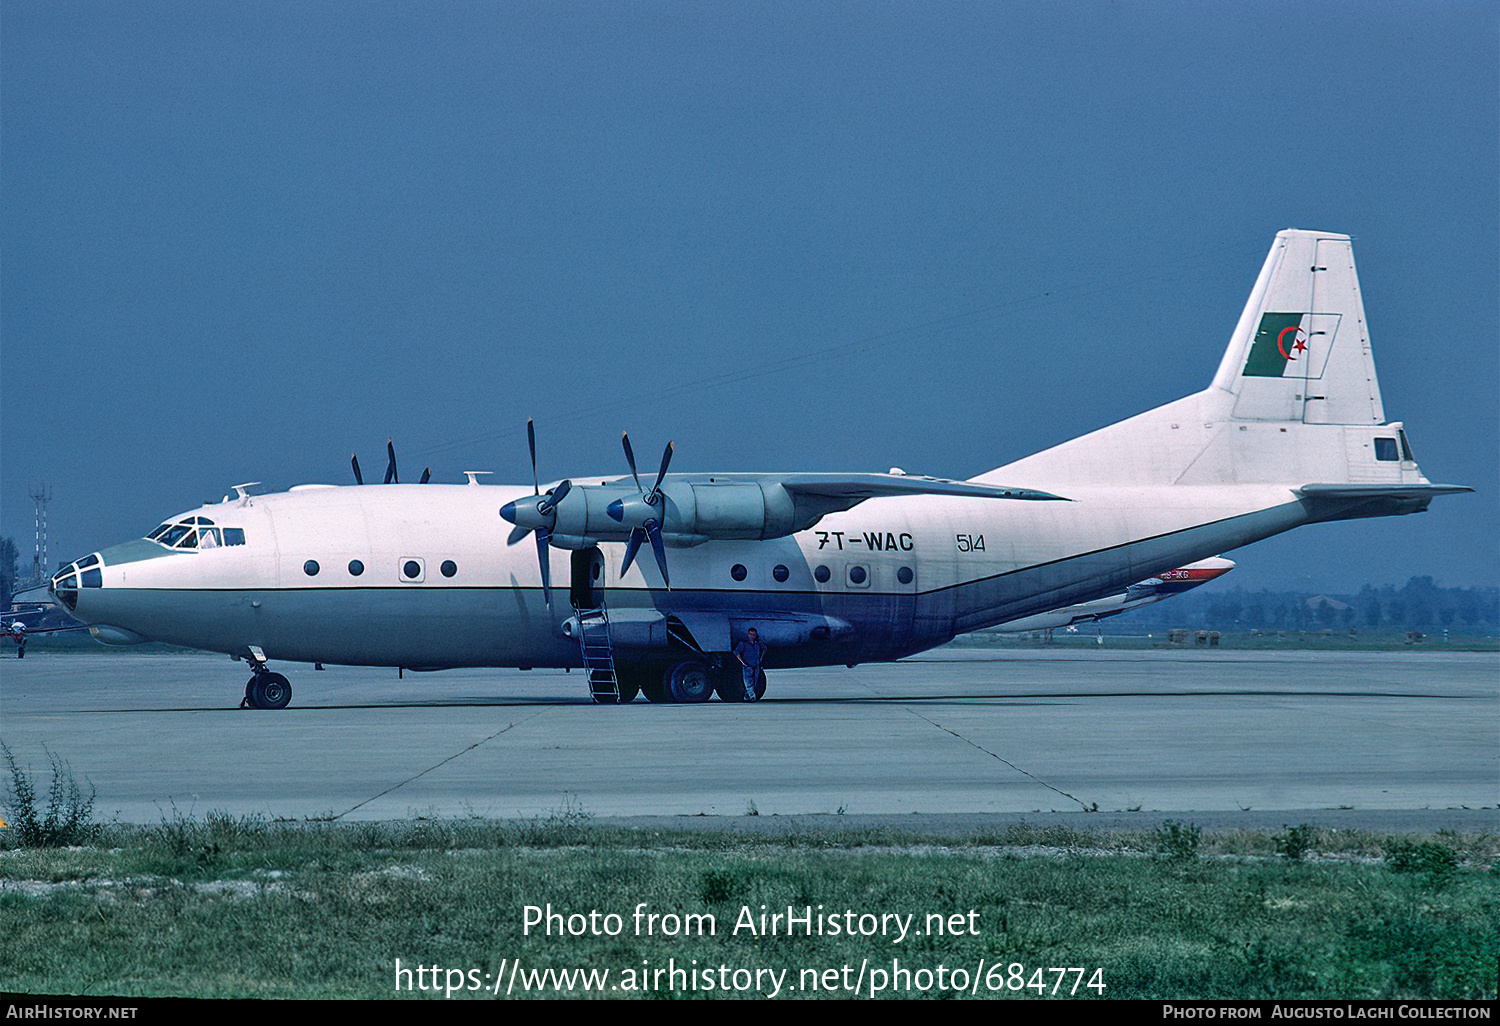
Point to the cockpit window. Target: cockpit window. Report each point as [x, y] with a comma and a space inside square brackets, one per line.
[174, 535]
[196, 533]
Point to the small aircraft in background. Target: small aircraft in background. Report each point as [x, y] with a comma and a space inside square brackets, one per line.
[828, 568]
[25, 620]
[1142, 593]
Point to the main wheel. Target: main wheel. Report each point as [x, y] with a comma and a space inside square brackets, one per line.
[729, 682]
[270, 691]
[689, 682]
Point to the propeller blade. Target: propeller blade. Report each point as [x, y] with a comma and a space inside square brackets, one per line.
[630, 458]
[632, 546]
[542, 539]
[426, 476]
[516, 534]
[559, 493]
[653, 529]
[390, 467]
[536, 489]
[358, 477]
[666, 458]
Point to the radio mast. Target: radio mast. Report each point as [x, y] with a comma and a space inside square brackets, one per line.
[41, 496]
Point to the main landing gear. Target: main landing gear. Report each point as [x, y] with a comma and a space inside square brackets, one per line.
[690, 681]
[264, 689]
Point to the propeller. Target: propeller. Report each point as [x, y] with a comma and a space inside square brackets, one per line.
[391, 476]
[537, 515]
[649, 519]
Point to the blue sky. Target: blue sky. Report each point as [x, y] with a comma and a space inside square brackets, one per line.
[238, 241]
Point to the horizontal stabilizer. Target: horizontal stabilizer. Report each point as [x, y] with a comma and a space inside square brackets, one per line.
[1356, 501]
[1365, 491]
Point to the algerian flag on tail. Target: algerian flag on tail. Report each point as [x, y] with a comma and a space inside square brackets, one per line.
[1301, 351]
[1291, 345]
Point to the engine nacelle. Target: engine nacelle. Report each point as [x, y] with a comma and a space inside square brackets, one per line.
[691, 513]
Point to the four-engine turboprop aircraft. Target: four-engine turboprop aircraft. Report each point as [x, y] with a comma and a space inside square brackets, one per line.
[829, 568]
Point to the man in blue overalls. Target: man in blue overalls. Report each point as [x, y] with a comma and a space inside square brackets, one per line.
[751, 653]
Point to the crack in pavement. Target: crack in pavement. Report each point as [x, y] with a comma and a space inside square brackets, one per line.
[415, 776]
[998, 758]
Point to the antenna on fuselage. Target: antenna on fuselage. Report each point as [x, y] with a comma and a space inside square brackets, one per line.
[239, 490]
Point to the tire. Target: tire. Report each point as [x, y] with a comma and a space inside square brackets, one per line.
[689, 681]
[729, 683]
[270, 691]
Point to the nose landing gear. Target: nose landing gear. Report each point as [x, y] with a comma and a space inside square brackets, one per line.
[264, 689]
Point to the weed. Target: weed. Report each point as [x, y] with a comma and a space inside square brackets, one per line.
[568, 824]
[1178, 841]
[69, 815]
[718, 886]
[1422, 958]
[1437, 862]
[1296, 842]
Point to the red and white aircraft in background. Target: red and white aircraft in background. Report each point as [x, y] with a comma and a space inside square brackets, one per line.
[1143, 593]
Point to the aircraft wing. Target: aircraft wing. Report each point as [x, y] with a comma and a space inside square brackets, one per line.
[859, 487]
[15, 630]
[38, 619]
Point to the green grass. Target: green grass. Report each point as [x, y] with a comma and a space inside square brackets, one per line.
[225, 906]
[1133, 637]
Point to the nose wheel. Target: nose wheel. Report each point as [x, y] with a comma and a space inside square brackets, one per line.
[267, 690]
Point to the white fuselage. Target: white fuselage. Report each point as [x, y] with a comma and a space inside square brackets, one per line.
[1291, 431]
[903, 573]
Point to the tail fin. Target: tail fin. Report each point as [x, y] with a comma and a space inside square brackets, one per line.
[1301, 351]
[1295, 398]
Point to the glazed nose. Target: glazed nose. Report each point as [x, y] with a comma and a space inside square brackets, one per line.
[87, 572]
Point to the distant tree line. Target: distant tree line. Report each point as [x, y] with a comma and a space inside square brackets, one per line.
[9, 570]
[1418, 605]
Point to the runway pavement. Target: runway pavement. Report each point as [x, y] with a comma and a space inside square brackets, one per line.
[957, 732]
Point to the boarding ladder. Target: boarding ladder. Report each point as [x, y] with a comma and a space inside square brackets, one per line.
[598, 655]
